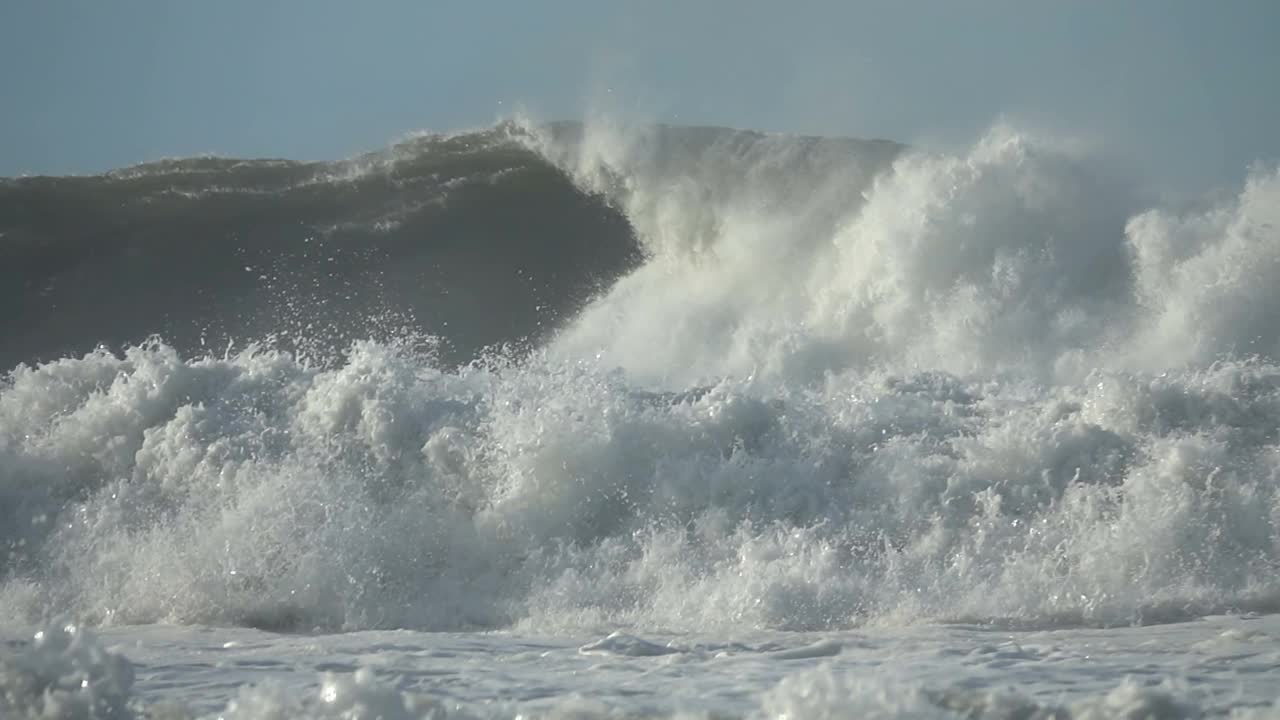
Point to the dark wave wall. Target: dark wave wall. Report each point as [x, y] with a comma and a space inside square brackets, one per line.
[471, 238]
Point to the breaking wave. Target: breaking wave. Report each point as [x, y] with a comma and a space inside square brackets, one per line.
[472, 239]
[782, 383]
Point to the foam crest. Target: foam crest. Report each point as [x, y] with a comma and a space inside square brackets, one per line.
[795, 256]
[1207, 281]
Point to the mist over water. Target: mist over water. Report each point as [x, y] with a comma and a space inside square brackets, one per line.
[785, 383]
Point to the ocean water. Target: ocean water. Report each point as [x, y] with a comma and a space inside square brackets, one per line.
[594, 420]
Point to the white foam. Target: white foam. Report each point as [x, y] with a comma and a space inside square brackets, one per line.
[1021, 255]
[978, 387]
[66, 674]
[340, 696]
[824, 694]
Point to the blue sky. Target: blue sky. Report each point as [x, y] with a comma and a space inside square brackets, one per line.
[1182, 90]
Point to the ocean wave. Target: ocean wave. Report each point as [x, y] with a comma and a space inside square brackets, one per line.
[464, 237]
[835, 383]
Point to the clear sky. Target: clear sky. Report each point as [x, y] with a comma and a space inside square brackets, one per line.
[1188, 90]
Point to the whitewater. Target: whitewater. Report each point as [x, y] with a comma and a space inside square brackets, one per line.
[608, 420]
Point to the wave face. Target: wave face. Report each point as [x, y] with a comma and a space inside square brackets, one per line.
[849, 383]
[464, 238]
